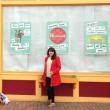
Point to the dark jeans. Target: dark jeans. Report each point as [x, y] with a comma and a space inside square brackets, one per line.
[50, 90]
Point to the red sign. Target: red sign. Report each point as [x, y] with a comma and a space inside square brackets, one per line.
[57, 35]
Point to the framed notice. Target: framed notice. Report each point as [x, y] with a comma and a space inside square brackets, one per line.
[96, 37]
[57, 36]
[20, 37]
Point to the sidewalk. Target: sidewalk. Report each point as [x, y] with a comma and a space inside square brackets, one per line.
[21, 105]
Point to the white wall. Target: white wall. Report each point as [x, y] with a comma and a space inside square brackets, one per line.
[38, 16]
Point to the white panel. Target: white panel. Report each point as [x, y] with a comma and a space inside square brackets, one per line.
[75, 60]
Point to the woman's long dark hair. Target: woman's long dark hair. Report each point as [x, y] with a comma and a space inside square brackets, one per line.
[51, 49]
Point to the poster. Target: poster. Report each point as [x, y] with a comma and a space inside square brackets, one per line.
[96, 37]
[57, 36]
[20, 37]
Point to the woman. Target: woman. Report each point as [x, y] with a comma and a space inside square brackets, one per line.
[51, 76]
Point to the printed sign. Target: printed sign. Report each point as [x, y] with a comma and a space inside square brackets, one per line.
[96, 38]
[20, 37]
[57, 36]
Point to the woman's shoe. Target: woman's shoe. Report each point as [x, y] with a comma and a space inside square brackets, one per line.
[51, 105]
[48, 102]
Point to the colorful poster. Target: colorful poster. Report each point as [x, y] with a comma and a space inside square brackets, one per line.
[57, 36]
[96, 37]
[20, 37]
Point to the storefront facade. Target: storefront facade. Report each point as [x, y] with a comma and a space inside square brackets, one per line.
[85, 73]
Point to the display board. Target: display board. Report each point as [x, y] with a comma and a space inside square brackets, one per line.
[75, 59]
[57, 36]
[20, 37]
[96, 37]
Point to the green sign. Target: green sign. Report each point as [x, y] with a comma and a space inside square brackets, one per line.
[20, 37]
[57, 36]
[96, 37]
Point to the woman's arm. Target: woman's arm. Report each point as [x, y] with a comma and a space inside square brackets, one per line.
[58, 63]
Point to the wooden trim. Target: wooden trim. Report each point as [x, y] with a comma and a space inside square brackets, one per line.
[18, 0]
[81, 99]
[67, 80]
[0, 85]
[57, 98]
[77, 74]
[89, 76]
[1, 21]
[76, 90]
[22, 97]
[54, 2]
[64, 80]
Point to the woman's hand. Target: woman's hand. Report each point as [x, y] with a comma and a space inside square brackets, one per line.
[51, 72]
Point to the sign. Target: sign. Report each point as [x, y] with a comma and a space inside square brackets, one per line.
[20, 37]
[96, 38]
[57, 36]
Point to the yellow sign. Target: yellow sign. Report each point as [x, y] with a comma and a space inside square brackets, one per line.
[96, 39]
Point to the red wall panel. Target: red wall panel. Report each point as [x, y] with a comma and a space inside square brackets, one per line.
[94, 89]
[62, 90]
[18, 87]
